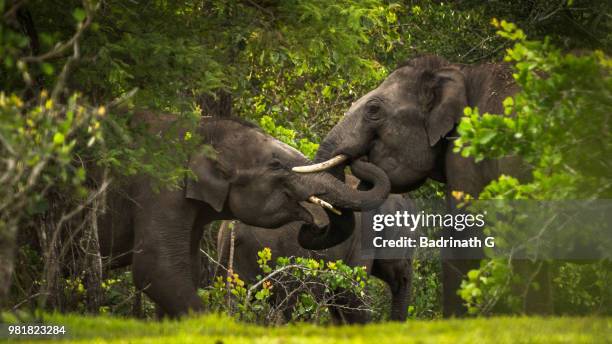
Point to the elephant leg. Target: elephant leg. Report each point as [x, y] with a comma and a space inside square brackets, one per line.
[336, 316]
[351, 310]
[453, 272]
[400, 297]
[398, 276]
[195, 256]
[160, 314]
[456, 263]
[537, 300]
[162, 263]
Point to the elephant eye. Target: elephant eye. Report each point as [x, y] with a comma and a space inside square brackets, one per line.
[373, 110]
[277, 165]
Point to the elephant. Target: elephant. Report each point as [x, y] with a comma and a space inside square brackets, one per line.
[407, 126]
[248, 177]
[396, 273]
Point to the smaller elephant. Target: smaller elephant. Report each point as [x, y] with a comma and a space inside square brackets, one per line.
[396, 273]
[247, 178]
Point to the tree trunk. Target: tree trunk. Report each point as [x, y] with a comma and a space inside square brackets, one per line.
[93, 262]
[7, 260]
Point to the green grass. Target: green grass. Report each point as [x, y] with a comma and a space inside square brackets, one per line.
[220, 329]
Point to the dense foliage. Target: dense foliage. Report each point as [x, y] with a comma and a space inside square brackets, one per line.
[559, 125]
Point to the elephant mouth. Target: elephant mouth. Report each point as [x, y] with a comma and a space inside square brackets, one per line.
[314, 211]
[314, 214]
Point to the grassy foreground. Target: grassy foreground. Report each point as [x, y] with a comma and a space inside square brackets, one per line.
[220, 329]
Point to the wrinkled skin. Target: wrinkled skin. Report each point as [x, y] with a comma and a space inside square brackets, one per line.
[249, 180]
[406, 127]
[396, 273]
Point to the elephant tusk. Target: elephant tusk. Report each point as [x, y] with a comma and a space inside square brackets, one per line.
[322, 166]
[316, 200]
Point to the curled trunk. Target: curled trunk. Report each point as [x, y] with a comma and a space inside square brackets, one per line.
[341, 226]
[343, 196]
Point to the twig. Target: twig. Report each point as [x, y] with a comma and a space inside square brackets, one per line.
[270, 276]
[15, 307]
[81, 206]
[59, 49]
[258, 6]
[11, 11]
[122, 98]
[213, 260]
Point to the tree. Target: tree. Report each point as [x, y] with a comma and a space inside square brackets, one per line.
[562, 116]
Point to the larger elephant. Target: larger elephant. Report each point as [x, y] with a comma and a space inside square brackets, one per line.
[248, 178]
[396, 273]
[407, 125]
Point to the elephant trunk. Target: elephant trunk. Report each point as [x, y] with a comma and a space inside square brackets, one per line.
[341, 225]
[343, 196]
[347, 141]
[325, 151]
[339, 229]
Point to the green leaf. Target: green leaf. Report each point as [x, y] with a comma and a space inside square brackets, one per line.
[47, 68]
[79, 14]
[487, 136]
[58, 138]
[473, 275]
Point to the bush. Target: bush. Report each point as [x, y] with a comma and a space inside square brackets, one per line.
[294, 288]
[558, 119]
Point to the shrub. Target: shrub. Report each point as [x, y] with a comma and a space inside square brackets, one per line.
[295, 288]
[558, 119]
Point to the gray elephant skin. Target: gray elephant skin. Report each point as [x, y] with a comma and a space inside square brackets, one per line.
[249, 179]
[396, 273]
[406, 126]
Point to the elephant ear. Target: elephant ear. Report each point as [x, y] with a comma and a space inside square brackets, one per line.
[211, 184]
[443, 96]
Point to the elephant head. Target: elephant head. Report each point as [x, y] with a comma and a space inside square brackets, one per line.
[249, 178]
[401, 125]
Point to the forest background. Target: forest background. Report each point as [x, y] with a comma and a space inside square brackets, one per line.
[72, 72]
